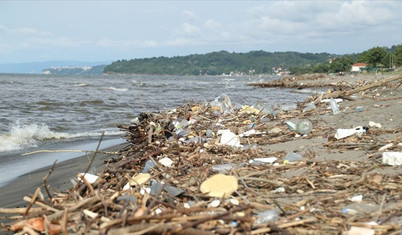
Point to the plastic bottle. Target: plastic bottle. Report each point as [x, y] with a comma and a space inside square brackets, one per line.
[304, 127]
[309, 107]
[334, 106]
[291, 157]
[266, 217]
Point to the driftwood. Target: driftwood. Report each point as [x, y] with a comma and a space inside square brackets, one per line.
[337, 94]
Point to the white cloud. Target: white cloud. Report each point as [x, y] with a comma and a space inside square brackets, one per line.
[121, 44]
[189, 14]
[212, 24]
[188, 30]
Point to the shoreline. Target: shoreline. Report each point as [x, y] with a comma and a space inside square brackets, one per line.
[12, 194]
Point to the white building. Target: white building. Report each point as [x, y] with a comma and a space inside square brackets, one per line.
[358, 67]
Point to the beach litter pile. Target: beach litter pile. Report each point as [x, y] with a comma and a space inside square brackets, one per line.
[214, 168]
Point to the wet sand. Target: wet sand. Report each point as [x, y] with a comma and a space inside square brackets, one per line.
[12, 194]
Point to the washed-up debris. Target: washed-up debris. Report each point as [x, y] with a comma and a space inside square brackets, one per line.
[205, 168]
[360, 231]
[291, 157]
[263, 160]
[392, 158]
[309, 107]
[374, 124]
[334, 106]
[229, 138]
[304, 127]
[343, 133]
[266, 217]
[219, 186]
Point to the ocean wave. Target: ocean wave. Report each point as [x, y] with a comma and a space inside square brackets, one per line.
[82, 85]
[116, 89]
[23, 136]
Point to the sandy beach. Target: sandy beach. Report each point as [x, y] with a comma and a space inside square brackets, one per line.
[325, 162]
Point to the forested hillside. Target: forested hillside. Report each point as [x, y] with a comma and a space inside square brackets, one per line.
[217, 63]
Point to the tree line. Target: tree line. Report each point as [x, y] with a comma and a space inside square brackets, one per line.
[257, 62]
[375, 58]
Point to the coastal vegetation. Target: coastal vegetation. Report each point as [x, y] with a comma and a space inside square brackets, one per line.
[376, 58]
[258, 62]
[218, 63]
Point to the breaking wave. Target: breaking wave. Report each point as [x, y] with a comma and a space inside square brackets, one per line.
[82, 85]
[116, 89]
[23, 136]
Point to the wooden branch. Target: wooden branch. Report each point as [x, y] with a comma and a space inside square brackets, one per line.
[337, 94]
[45, 178]
[18, 210]
[32, 201]
[67, 151]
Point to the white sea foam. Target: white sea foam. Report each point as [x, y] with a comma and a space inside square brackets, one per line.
[116, 89]
[29, 135]
[81, 85]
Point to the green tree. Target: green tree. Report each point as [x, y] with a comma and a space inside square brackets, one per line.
[398, 56]
[341, 64]
[375, 56]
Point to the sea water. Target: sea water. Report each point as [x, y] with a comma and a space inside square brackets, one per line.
[57, 112]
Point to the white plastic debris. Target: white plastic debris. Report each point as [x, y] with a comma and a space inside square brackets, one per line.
[392, 158]
[360, 231]
[250, 132]
[88, 177]
[343, 133]
[214, 203]
[329, 100]
[374, 124]
[234, 201]
[158, 211]
[126, 187]
[229, 138]
[166, 162]
[266, 160]
[279, 190]
[357, 198]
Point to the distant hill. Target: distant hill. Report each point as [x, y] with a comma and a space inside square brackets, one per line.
[217, 63]
[37, 67]
[75, 70]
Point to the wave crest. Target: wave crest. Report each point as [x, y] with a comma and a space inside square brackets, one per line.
[29, 135]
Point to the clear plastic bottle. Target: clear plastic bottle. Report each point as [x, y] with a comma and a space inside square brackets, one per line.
[334, 106]
[266, 217]
[304, 127]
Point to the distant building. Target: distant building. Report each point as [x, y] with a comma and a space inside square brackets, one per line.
[358, 67]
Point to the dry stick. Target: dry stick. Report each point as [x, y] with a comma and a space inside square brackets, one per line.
[90, 163]
[66, 151]
[64, 222]
[32, 201]
[18, 210]
[45, 178]
[38, 203]
[299, 222]
[381, 206]
[214, 217]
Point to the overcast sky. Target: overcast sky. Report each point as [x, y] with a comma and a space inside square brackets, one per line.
[111, 30]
